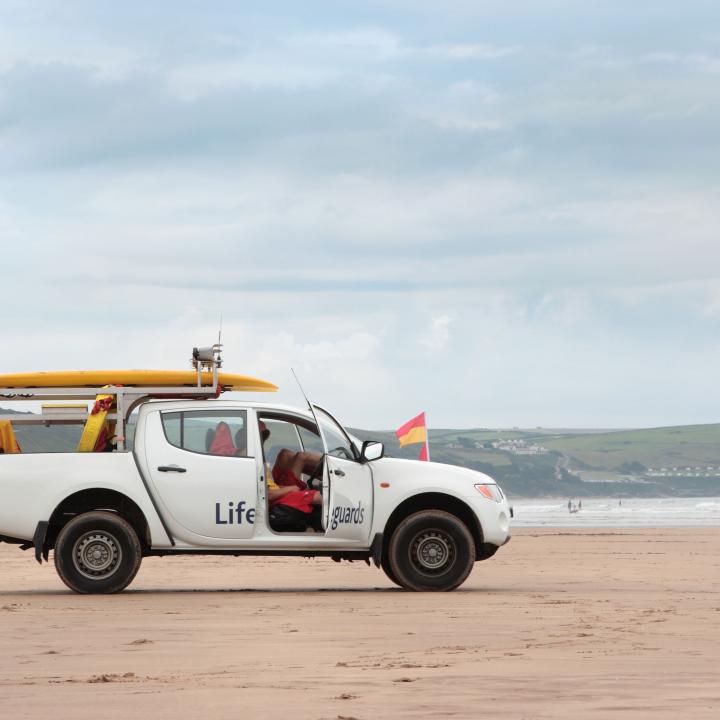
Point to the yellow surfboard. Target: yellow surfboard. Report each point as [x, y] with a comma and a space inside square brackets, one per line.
[135, 378]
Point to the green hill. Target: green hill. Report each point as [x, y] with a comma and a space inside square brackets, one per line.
[686, 446]
[669, 461]
[680, 461]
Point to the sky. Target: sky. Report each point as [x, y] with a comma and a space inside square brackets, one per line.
[504, 214]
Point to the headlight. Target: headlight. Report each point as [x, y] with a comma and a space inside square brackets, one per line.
[490, 490]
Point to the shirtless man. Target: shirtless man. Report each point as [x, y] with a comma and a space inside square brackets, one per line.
[284, 483]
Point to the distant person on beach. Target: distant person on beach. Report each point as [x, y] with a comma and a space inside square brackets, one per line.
[569, 505]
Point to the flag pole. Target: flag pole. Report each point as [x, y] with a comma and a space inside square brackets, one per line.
[427, 439]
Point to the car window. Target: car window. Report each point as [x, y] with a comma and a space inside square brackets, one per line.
[337, 441]
[311, 440]
[130, 428]
[282, 435]
[209, 432]
[172, 423]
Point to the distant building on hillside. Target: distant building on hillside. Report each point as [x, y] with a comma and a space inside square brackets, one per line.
[517, 446]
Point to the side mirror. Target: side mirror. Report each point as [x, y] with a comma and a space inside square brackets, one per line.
[371, 450]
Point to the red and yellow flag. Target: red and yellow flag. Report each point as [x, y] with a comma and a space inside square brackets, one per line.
[413, 432]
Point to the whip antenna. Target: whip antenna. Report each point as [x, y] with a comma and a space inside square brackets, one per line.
[297, 380]
[312, 410]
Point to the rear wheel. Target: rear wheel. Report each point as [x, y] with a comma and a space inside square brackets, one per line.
[431, 550]
[97, 552]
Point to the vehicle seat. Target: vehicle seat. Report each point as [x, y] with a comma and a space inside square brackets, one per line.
[209, 437]
[241, 441]
[222, 442]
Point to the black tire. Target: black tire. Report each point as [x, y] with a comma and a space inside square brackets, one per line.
[385, 565]
[431, 550]
[97, 552]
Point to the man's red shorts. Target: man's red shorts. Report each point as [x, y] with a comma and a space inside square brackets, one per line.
[300, 500]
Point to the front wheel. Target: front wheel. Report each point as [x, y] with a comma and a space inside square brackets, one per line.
[431, 550]
[385, 565]
[97, 552]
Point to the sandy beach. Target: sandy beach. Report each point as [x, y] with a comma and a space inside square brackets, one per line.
[581, 624]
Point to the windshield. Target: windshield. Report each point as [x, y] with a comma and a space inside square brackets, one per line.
[337, 441]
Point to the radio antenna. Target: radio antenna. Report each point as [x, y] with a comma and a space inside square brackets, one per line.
[220, 331]
[312, 410]
[297, 380]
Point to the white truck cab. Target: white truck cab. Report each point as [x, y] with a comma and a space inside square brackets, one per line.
[176, 489]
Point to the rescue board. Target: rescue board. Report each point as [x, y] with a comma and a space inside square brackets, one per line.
[132, 378]
[97, 430]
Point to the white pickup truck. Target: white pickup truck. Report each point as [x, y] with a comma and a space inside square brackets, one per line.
[170, 493]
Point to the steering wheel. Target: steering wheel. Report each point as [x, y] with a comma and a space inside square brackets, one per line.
[316, 473]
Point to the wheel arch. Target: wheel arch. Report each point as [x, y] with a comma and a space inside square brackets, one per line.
[90, 499]
[434, 501]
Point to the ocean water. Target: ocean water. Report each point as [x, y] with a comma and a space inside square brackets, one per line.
[609, 512]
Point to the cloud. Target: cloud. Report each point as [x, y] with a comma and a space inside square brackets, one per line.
[481, 51]
[467, 106]
[694, 61]
[437, 337]
[712, 301]
[359, 44]
[527, 196]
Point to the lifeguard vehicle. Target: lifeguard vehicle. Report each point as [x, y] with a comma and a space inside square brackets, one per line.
[150, 477]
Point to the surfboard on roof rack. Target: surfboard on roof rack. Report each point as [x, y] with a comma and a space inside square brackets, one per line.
[135, 378]
[121, 392]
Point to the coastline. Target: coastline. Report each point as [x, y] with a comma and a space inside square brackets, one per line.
[617, 512]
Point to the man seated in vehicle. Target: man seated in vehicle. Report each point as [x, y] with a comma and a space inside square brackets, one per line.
[290, 466]
[284, 482]
[292, 496]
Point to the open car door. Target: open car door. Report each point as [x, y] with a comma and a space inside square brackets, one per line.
[347, 484]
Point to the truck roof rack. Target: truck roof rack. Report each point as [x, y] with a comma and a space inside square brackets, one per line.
[206, 361]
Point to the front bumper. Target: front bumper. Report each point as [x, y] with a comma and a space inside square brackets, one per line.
[494, 518]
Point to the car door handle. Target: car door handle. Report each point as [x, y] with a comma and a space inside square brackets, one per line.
[339, 473]
[171, 468]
